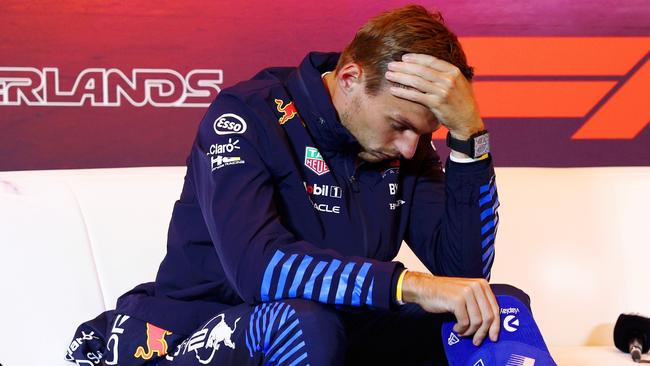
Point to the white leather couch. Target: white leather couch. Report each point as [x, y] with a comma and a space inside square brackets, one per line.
[72, 241]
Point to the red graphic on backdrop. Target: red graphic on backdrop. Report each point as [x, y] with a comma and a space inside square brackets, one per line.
[100, 87]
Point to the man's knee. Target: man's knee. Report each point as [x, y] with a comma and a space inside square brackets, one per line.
[316, 315]
[296, 330]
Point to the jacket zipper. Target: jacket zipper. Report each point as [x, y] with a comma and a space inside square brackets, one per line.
[354, 184]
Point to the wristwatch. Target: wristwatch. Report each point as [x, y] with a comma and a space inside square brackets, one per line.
[477, 145]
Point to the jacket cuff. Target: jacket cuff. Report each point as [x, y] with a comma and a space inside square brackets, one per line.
[463, 180]
[393, 288]
[468, 168]
[386, 275]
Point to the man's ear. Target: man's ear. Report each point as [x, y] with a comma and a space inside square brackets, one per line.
[350, 77]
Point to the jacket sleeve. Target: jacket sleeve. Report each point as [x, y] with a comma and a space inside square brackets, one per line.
[454, 218]
[261, 258]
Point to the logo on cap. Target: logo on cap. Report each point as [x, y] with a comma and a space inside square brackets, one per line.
[452, 339]
[510, 323]
[519, 360]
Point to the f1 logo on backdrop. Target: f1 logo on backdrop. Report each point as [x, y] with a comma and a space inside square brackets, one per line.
[603, 80]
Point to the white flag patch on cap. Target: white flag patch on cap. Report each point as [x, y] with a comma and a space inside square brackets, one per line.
[518, 360]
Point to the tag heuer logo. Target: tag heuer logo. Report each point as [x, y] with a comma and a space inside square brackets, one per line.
[314, 161]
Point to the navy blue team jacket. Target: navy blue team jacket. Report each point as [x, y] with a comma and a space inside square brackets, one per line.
[276, 204]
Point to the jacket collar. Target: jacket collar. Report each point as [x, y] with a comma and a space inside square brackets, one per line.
[315, 105]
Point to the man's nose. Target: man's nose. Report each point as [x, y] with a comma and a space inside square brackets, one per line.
[407, 144]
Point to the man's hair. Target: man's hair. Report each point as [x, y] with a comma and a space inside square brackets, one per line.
[388, 36]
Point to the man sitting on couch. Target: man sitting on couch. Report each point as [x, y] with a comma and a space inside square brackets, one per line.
[301, 185]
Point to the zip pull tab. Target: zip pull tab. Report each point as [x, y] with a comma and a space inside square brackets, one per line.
[354, 183]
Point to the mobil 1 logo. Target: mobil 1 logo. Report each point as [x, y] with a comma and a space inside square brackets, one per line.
[323, 190]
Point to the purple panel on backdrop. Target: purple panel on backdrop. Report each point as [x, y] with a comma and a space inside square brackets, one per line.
[548, 17]
[239, 39]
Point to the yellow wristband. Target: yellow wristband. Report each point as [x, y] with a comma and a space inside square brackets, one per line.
[398, 293]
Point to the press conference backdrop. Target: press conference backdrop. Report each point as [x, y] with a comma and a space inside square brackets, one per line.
[89, 84]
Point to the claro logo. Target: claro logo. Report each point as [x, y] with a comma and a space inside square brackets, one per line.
[604, 81]
[109, 87]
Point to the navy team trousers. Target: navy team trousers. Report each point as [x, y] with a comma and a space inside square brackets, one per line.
[283, 332]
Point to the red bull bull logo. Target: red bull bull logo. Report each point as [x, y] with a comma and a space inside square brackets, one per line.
[288, 111]
[216, 333]
[156, 343]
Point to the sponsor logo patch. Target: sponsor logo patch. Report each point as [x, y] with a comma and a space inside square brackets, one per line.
[323, 190]
[396, 204]
[204, 343]
[507, 311]
[229, 123]
[392, 188]
[314, 161]
[216, 149]
[219, 161]
[156, 343]
[77, 342]
[452, 339]
[114, 340]
[323, 207]
[392, 167]
[288, 111]
[511, 323]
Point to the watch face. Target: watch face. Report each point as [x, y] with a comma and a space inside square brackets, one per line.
[481, 145]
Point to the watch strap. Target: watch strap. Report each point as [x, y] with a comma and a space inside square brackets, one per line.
[477, 145]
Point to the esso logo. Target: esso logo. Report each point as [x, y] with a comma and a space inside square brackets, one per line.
[229, 123]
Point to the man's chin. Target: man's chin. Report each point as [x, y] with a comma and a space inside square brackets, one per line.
[371, 158]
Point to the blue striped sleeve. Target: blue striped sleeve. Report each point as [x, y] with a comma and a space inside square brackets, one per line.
[327, 281]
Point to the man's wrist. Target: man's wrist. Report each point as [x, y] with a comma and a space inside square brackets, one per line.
[411, 286]
[458, 157]
[466, 132]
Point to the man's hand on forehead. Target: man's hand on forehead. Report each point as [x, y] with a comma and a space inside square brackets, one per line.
[441, 87]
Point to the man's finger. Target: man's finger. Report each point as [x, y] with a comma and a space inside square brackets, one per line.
[487, 313]
[462, 319]
[411, 80]
[428, 100]
[474, 313]
[422, 71]
[496, 324]
[430, 61]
